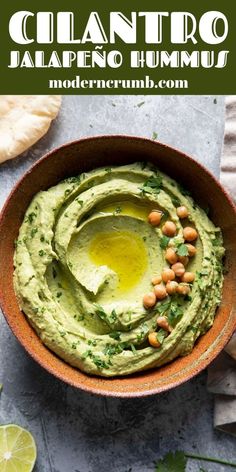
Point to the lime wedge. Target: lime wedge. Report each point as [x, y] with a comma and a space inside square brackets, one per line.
[17, 449]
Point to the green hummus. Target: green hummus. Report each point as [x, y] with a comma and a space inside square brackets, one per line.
[85, 256]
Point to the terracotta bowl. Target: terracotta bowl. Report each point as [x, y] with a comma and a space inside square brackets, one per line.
[84, 155]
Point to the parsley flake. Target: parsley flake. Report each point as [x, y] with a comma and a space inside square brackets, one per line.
[33, 232]
[115, 335]
[164, 241]
[30, 217]
[182, 249]
[161, 335]
[175, 314]
[152, 185]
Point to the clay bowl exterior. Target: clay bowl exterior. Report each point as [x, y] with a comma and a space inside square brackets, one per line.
[84, 155]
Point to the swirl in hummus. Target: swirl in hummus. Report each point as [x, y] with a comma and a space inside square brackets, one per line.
[94, 265]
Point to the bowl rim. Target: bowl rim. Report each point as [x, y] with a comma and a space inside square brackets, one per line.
[100, 391]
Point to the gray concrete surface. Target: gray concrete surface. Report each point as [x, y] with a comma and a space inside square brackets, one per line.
[77, 432]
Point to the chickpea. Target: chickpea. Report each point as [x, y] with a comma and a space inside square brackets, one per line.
[169, 228]
[149, 300]
[171, 287]
[171, 255]
[184, 260]
[156, 280]
[167, 274]
[190, 234]
[152, 338]
[154, 217]
[191, 250]
[183, 289]
[178, 269]
[182, 212]
[160, 291]
[163, 323]
[188, 277]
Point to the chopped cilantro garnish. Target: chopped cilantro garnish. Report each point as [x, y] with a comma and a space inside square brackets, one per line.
[182, 249]
[92, 342]
[200, 278]
[113, 315]
[99, 362]
[109, 319]
[216, 242]
[144, 329]
[164, 241]
[73, 180]
[202, 272]
[192, 328]
[42, 253]
[163, 307]
[133, 348]
[112, 349]
[172, 310]
[86, 354]
[161, 335]
[101, 313]
[175, 201]
[175, 314]
[115, 335]
[154, 135]
[62, 333]
[152, 185]
[33, 232]
[68, 191]
[30, 217]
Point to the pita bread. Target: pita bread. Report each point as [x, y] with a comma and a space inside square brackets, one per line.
[24, 119]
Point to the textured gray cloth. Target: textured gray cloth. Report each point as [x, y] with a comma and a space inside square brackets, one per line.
[222, 373]
[228, 159]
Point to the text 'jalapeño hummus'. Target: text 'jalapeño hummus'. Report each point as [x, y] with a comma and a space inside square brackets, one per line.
[105, 273]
